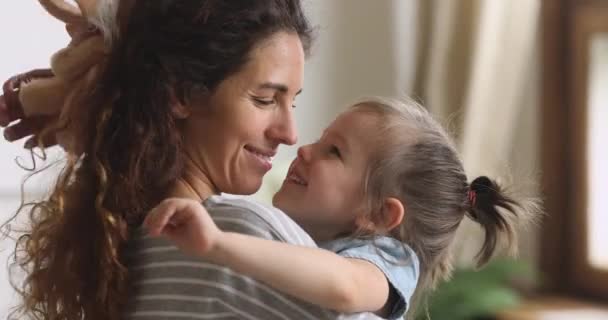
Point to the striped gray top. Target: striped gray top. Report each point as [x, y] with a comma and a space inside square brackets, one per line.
[167, 284]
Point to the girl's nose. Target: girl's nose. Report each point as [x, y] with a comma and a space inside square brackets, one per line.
[304, 152]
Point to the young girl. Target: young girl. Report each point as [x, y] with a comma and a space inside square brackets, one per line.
[382, 192]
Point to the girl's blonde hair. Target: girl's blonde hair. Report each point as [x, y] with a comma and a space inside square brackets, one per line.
[416, 161]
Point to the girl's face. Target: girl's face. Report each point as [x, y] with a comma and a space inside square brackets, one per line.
[324, 188]
[234, 133]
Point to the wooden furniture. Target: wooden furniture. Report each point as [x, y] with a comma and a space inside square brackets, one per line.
[555, 308]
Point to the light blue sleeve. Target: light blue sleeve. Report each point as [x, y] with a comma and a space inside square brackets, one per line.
[399, 264]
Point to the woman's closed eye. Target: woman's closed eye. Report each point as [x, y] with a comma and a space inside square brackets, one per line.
[264, 101]
[267, 102]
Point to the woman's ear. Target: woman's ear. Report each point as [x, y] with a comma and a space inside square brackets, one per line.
[179, 109]
[393, 211]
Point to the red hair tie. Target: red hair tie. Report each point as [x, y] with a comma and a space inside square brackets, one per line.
[472, 195]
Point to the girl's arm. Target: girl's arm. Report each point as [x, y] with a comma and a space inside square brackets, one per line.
[314, 275]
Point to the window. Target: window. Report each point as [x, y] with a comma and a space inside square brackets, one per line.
[597, 146]
[575, 147]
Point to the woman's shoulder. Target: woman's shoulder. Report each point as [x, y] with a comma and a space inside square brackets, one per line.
[243, 209]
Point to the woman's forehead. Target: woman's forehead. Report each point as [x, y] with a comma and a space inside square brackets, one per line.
[279, 60]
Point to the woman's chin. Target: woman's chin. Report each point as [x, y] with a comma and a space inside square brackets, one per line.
[245, 187]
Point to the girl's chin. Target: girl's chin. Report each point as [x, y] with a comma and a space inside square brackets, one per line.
[282, 198]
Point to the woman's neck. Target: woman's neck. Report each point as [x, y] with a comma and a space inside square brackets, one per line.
[194, 183]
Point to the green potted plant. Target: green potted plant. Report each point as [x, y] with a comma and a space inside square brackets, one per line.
[477, 294]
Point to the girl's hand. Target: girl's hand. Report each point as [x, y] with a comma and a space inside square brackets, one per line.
[185, 222]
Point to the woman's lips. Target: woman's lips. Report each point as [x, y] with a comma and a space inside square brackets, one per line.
[263, 158]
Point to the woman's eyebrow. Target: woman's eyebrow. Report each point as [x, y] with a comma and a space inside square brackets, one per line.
[276, 86]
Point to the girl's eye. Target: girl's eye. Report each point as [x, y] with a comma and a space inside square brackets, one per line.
[335, 151]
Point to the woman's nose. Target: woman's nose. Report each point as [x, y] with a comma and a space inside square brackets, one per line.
[284, 128]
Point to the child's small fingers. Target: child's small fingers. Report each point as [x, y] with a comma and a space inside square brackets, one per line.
[151, 226]
[164, 219]
[157, 219]
[148, 216]
[167, 216]
[149, 219]
[179, 208]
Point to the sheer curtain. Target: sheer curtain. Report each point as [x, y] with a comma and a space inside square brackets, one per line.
[477, 70]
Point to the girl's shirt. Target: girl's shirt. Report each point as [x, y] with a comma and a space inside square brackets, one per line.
[397, 261]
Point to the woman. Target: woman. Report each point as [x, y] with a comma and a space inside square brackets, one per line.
[195, 99]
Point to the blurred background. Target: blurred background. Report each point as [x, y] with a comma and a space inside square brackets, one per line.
[521, 84]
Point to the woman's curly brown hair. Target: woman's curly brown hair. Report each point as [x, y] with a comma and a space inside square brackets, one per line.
[74, 251]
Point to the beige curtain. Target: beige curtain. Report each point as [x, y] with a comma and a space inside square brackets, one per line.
[477, 70]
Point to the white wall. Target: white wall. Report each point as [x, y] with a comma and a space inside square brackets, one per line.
[359, 51]
[363, 48]
[30, 36]
[29, 39]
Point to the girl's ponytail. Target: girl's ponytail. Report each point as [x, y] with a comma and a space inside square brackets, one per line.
[495, 212]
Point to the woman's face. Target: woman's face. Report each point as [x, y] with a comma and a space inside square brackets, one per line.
[233, 134]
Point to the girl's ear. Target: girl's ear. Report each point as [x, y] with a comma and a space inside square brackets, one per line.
[393, 211]
[391, 216]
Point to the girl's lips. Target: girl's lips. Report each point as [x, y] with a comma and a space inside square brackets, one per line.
[294, 177]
